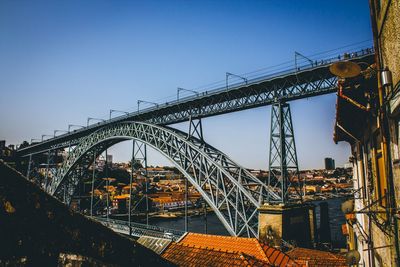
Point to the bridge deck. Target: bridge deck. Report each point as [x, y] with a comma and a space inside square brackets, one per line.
[291, 84]
[138, 229]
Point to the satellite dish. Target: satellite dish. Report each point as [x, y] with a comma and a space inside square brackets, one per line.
[345, 69]
[352, 257]
[348, 206]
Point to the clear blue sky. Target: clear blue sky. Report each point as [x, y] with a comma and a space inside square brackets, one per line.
[64, 61]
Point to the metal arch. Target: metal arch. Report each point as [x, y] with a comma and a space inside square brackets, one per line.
[233, 193]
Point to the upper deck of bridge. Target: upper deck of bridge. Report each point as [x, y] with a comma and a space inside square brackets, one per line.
[302, 81]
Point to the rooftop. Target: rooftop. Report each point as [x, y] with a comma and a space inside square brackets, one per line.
[246, 246]
[212, 250]
[191, 255]
[317, 258]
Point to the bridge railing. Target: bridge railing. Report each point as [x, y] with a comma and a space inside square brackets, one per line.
[289, 71]
[233, 86]
[220, 89]
[138, 229]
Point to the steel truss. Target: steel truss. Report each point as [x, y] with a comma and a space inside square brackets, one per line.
[262, 91]
[233, 192]
[283, 164]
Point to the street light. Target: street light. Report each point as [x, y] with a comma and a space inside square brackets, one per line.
[120, 111]
[231, 74]
[147, 102]
[45, 135]
[296, 55]
[57, 131]
[187, 90]
[89, 119]
[74, 125]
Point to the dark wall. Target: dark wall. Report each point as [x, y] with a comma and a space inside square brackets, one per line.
[37, 227]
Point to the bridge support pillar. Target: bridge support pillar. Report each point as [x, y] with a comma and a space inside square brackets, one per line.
[283, 165]
[292, 223]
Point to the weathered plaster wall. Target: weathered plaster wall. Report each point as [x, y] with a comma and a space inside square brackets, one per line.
[389, 40]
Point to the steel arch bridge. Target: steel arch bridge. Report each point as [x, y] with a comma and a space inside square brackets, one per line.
[233, 192]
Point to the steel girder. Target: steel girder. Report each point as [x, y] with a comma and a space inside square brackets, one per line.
[255, 95]
[233, 192]
[284, 86]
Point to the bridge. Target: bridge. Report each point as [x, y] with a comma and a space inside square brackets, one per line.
[228, 188]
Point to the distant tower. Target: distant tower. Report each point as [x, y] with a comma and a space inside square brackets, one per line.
[329, 164]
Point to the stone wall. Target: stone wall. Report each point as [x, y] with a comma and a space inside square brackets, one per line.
[390, 38]
[388, 21]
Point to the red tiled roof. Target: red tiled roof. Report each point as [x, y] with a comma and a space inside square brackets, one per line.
[187, 255]
[277, 257]
[317, 258]
[213, 250]
[249, 246]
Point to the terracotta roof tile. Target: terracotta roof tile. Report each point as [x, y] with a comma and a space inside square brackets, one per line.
[247, 246]
[277, 257]
[317, 258]
[187, 255]
[213, 250]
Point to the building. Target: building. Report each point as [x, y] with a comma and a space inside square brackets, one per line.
[8, 153]
[109, 159]
[329, 164]
[371, 125]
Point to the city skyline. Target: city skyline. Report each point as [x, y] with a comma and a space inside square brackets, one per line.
[96, 67]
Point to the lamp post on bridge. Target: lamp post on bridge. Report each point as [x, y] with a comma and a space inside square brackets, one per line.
[296, 55]
[228, 74]
[74, 125]
[59, 131]
[179, 89]
[120, 111]
[45, 135]
[97, 119]
[147, 102]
